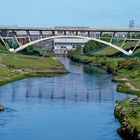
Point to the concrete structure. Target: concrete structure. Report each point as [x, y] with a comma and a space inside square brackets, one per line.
[26, 36]
[63, 45]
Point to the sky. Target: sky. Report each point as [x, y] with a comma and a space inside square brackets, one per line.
[50, 13]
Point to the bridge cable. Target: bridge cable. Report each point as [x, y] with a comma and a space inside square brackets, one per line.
[123, 42]
[136, 46]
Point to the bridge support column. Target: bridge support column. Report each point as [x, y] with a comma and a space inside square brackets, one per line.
[88, 34]
[4, 33]
[112, 37]
[16, 39]
[128, 35]
[29, 36]
[53, 33]
[77, 33]
[19, 44]
[65, 32]
[41, 34]
[100, 35]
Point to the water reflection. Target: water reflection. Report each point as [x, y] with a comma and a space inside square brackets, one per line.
[67, 90]
[94, 85]
[93, 71]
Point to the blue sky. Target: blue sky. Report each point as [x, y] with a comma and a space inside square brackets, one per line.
[93, 13]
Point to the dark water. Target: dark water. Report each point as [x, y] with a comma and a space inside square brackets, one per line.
[75, 106]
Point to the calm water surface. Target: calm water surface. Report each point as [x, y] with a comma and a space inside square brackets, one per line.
[74, 106]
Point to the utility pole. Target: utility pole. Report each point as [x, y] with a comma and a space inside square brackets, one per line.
[131, 24]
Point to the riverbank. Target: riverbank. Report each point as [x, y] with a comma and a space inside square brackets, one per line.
[15, 67]
[1, 108]
[125, 70]
[128, 113]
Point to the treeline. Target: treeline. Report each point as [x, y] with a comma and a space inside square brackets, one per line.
[89, 48]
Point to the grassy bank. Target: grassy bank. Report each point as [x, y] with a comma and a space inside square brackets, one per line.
[15, 66]
[109, 51]
[128, 113]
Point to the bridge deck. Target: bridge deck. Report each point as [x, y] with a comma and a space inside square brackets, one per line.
[80, 29]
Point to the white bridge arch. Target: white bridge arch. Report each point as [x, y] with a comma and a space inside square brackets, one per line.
[81, 37]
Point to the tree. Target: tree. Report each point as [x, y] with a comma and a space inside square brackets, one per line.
[91, 46]
[79, 49]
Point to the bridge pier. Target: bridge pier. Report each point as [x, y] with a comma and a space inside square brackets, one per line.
[100, 35]
[65, 32]
[28, 35]
[16, 39]
[4, 33]
[53, 33]
[41, 34]
[88, 33]
[77, 33]
[112, 37]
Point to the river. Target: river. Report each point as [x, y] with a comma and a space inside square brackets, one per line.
[74, 106]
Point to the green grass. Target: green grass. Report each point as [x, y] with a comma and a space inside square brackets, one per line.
[128, 112]
[3, 49]
[16, 66]
[127, 89]
[107, 51]
[136, 53]
[34, 50]
[136, 83]
[4, 71]
[29, 62]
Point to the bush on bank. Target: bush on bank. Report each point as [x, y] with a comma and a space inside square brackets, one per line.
[128, 113]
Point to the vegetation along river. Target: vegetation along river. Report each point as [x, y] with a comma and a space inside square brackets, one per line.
[74, 106]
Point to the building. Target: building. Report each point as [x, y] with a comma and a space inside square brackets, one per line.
[62, 46]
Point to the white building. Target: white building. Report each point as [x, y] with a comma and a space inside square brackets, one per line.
[63, 45]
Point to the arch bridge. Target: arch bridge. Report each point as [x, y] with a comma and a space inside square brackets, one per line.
[27, 36]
